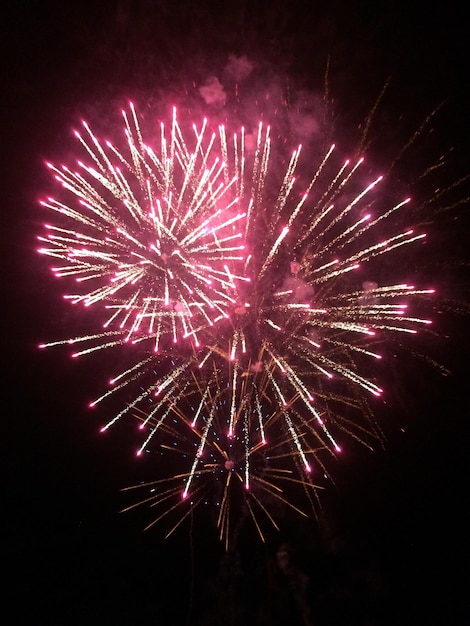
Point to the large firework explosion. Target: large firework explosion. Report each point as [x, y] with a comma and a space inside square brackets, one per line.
[252, 307]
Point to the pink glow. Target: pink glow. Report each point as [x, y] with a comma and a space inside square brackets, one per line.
[192, 246]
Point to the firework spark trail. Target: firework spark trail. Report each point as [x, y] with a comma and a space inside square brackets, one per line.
[235, 470]
[273, 287]
[153, 235]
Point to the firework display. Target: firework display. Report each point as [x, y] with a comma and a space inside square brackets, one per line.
[252, 306]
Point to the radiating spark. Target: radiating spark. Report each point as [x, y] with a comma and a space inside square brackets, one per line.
[250, 309]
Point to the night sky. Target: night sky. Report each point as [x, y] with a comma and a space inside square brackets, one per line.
[392, 543]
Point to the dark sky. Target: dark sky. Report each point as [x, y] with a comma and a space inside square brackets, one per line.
[393, 544]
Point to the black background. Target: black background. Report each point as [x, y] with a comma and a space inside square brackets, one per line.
[392, 546]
